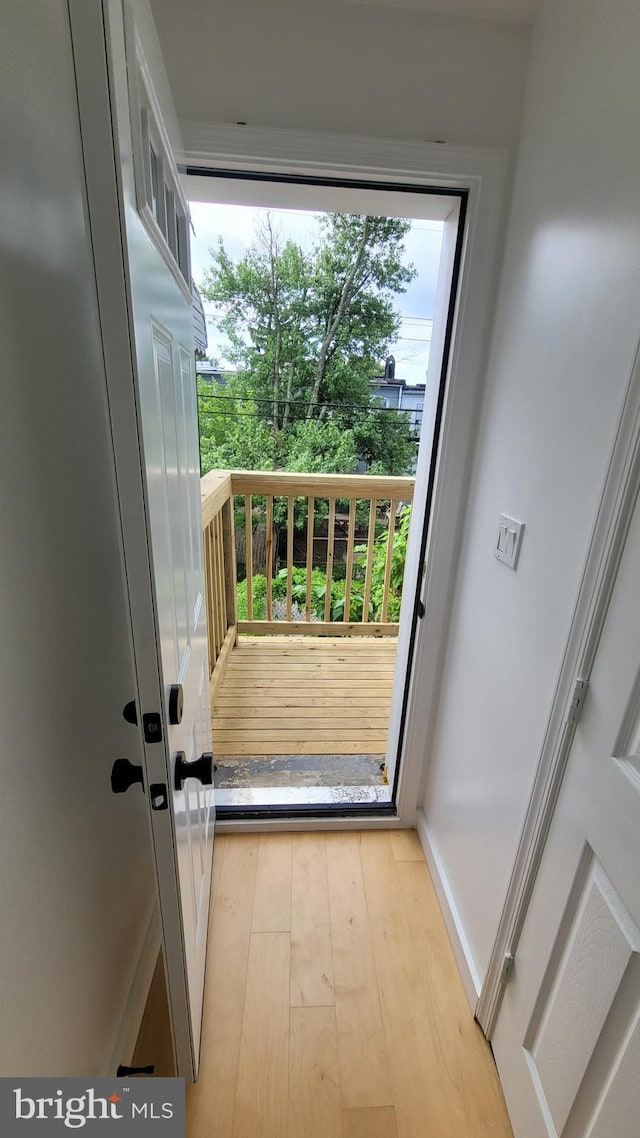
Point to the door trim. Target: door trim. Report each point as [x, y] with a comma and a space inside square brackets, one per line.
[613, 517]
[482, 174]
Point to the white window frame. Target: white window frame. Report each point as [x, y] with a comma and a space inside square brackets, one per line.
[149, 135]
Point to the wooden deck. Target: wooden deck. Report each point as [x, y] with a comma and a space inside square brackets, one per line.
[301, 695]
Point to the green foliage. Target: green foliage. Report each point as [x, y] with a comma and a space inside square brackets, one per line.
[259, 595]
[319, 446]
[233, 435]
[299, 588]
[398, 561]
[308, 331]
[338, 599]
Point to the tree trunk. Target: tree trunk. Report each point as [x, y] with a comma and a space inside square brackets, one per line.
[334, 323]
[287, 405]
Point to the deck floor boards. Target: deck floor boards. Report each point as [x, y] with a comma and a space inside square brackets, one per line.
[294, 695]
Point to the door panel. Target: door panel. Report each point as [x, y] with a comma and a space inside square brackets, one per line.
[569, 1020]
[567, 1038]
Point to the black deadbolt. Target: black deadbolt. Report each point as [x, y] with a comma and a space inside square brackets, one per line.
[176, 701]
[201, 768]
[123, 775]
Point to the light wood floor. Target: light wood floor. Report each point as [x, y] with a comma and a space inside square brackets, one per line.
[304, 695]
[333, 1008]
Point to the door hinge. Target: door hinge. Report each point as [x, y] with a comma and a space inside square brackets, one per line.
[507, 967]
[577, 701]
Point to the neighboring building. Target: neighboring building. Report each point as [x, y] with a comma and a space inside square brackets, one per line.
[206, 370]
[400, 394]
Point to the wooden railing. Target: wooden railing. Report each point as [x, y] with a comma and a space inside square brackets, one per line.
[219, 569]
[310, 500]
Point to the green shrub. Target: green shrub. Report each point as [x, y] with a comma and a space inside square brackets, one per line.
[396, 577]
[259, 595]
[319, 583]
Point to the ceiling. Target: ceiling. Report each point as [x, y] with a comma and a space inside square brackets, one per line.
[514, 11]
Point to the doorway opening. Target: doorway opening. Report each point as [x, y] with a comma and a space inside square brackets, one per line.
[324, 314]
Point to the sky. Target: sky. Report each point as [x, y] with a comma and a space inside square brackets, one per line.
[236, 225]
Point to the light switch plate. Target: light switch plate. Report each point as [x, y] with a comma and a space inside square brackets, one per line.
[508, 540]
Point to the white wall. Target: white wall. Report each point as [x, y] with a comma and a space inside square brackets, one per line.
[567, 325]
[346, 69]
[76, 883]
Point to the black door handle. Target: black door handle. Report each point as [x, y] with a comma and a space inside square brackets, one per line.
[201, 768]
[123, 775]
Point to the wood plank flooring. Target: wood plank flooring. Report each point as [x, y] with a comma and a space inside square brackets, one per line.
[333, 1007]
[301, 695]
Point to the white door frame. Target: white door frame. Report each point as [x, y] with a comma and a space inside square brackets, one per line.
[615, 509]
[482, 173]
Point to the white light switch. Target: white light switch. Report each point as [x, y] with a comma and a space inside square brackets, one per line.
[509, 540]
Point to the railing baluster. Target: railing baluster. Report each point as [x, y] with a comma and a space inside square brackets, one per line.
[387, 565]
[371, 537]
[213, 652]
[311, 505]
[268, 554]
[331, 535]
[290, 525]
[216, 583]
[229, 556]
[212, 595]
[248, 552]
[349, 570]
[222, 593]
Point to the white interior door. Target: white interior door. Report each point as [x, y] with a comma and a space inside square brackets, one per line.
[154, 421]
[567, 1041]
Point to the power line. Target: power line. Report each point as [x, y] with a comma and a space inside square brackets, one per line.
[305, 403]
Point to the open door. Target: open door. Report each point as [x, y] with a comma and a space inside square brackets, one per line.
[412, 641]
[139, 224]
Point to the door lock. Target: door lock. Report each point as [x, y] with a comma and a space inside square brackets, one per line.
[201, 768]
[124, 774]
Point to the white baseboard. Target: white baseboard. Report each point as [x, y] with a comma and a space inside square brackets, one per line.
[459, 943]
[138, 993]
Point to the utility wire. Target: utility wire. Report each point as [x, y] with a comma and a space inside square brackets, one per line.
[305, 403]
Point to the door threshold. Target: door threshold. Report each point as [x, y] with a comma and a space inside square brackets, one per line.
[288, 797]
[235, 819]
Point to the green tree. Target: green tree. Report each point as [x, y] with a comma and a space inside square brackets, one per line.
[307, 331]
